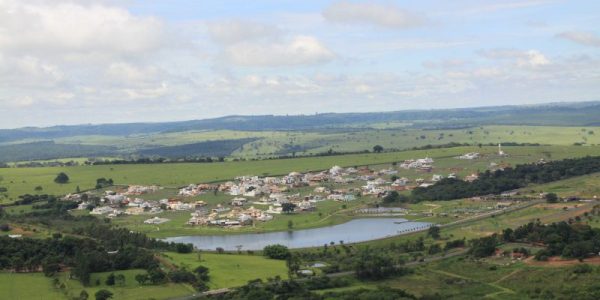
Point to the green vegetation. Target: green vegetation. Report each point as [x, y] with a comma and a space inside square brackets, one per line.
[276, 252]
[21, 181]
[508, 179]
[230, 270]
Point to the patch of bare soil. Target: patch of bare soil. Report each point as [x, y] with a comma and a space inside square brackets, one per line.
[556, 261]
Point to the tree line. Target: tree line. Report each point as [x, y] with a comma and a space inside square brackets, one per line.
[508, 179]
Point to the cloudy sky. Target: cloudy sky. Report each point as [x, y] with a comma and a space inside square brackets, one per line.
[73, 62]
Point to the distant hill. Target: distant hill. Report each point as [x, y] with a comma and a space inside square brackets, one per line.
[51, 150]
[206, 149]
[560, 114]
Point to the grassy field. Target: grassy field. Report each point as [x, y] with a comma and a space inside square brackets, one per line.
[273, 143]
[23, 180]
[27, 286]
[586, 186]
[19, 287]
[231, 270]
[356, 137]
[392, 136]
[459, 278]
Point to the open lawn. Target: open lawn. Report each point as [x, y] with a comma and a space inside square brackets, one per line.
[131, 290]
[28, 286]
[230, 270]
[25, 286]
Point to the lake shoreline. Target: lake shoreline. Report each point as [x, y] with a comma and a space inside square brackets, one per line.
[354, 231]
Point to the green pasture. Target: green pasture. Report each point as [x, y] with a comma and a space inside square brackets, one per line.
[25, 286]
[23, 180]
[230, 270]
[356, 137]
[462, 278]
[392, 136]
[28, 286]
[586, 186]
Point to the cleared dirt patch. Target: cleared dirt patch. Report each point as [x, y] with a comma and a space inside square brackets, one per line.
[556, 261]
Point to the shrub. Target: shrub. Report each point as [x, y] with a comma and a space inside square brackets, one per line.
[582, 269]
[61, 178]
[276, 251]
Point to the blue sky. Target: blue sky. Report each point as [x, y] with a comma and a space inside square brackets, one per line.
[104, 61]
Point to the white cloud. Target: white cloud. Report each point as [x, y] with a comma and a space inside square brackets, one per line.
[529, 58]
[299, 50]
[382, 15]
[69, 27]
[235, 31]
[131, 74]
[581, 37]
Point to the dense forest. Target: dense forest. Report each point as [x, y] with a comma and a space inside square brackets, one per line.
[508, 179]
[218, 148]
[567, 240]
[574, 240]
[89, 246]
[51, 150]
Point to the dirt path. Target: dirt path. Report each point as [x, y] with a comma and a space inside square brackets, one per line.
[502, 290]
[508, 275]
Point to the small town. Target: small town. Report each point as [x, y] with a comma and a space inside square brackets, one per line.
[253, 199]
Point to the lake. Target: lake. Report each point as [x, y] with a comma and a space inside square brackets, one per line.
[357, 230]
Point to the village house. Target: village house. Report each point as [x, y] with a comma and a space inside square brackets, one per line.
[472, 177]
[101, 210]
[140, 189]
[238, 201]
[156, 221]
[469, 156]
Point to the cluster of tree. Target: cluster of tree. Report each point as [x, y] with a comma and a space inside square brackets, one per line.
[154, 160]
[103, 182]
[345, 257]
[83, 255]
[39, 164]
[61, 178]
[447, 145]
[483, 247]
[507, 179]
[217, 148]
[454, 244]
[376, 266]
[198, 278]
[109, 249]
[50, 150]
[395, 197]
[29, 199]
[568, 240]
[114, 238]
[276, 251]
[284, 290]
